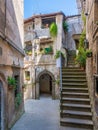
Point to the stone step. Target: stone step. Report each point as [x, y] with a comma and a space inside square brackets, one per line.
[74, 84]
[77, 89]
[78, 123]
[73, 80]
[69, 100]
[74, 95]
[74, 76]
[76, 114]
[72, 128]
[72, 70]
[75, 107]
[73, 73]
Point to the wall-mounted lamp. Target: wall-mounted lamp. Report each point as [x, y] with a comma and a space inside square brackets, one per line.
[86, 14]
[86, 43]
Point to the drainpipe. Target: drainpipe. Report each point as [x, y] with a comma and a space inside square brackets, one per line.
[60, 72]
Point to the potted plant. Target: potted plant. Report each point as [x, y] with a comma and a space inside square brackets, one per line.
[11, 82]
[81, 58]
[28, 78]
[88, 53]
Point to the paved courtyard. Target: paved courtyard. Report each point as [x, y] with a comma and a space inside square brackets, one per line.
[40, 114]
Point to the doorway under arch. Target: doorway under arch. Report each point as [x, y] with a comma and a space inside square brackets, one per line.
[45, 84]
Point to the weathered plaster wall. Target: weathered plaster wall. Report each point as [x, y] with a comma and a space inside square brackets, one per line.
[11, 58]
[74, 27]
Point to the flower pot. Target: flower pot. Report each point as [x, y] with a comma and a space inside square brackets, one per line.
[10, 87]
[89, 54]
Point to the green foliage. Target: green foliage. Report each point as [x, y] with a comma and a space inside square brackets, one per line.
[53, 29]
[82, 38]
[81, 57]
[84, 18]
[11, 81]
[29, 52]
[58, 54]
[57, 81]
[18, 100]
[47, 50]
[65, 26]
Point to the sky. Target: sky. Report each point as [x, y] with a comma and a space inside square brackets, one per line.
[31, 7]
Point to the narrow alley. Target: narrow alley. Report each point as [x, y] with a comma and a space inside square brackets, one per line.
[40, 114]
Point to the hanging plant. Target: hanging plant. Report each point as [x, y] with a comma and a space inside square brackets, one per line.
[53, 30]
[65, 26]
[58, 54]
[11, 82]
[88, 53]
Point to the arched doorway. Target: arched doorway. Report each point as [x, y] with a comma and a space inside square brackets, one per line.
[45, 84]
[1, 107]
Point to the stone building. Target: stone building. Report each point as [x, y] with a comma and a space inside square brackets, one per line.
[42, 71]
[11, 61]
[90, 8]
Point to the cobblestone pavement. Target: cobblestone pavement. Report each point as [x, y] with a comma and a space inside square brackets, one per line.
[40, 114]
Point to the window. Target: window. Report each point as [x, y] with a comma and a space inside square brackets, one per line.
[17, 85]
[27, 75]
[46, 22]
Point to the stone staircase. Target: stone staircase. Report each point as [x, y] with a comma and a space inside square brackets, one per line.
[75, 108]
[71, 58]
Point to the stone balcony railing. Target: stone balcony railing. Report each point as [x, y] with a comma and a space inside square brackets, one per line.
[45, 59]
[29, 36]
[43, 32]
[41, 59]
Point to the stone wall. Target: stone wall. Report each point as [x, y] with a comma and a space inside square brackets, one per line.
[2, 17]
[11, 55]
[92, 63]
[74, 27]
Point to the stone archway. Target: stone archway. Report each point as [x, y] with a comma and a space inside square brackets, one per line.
[1, 106]
[50, 88]
[45, 83]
